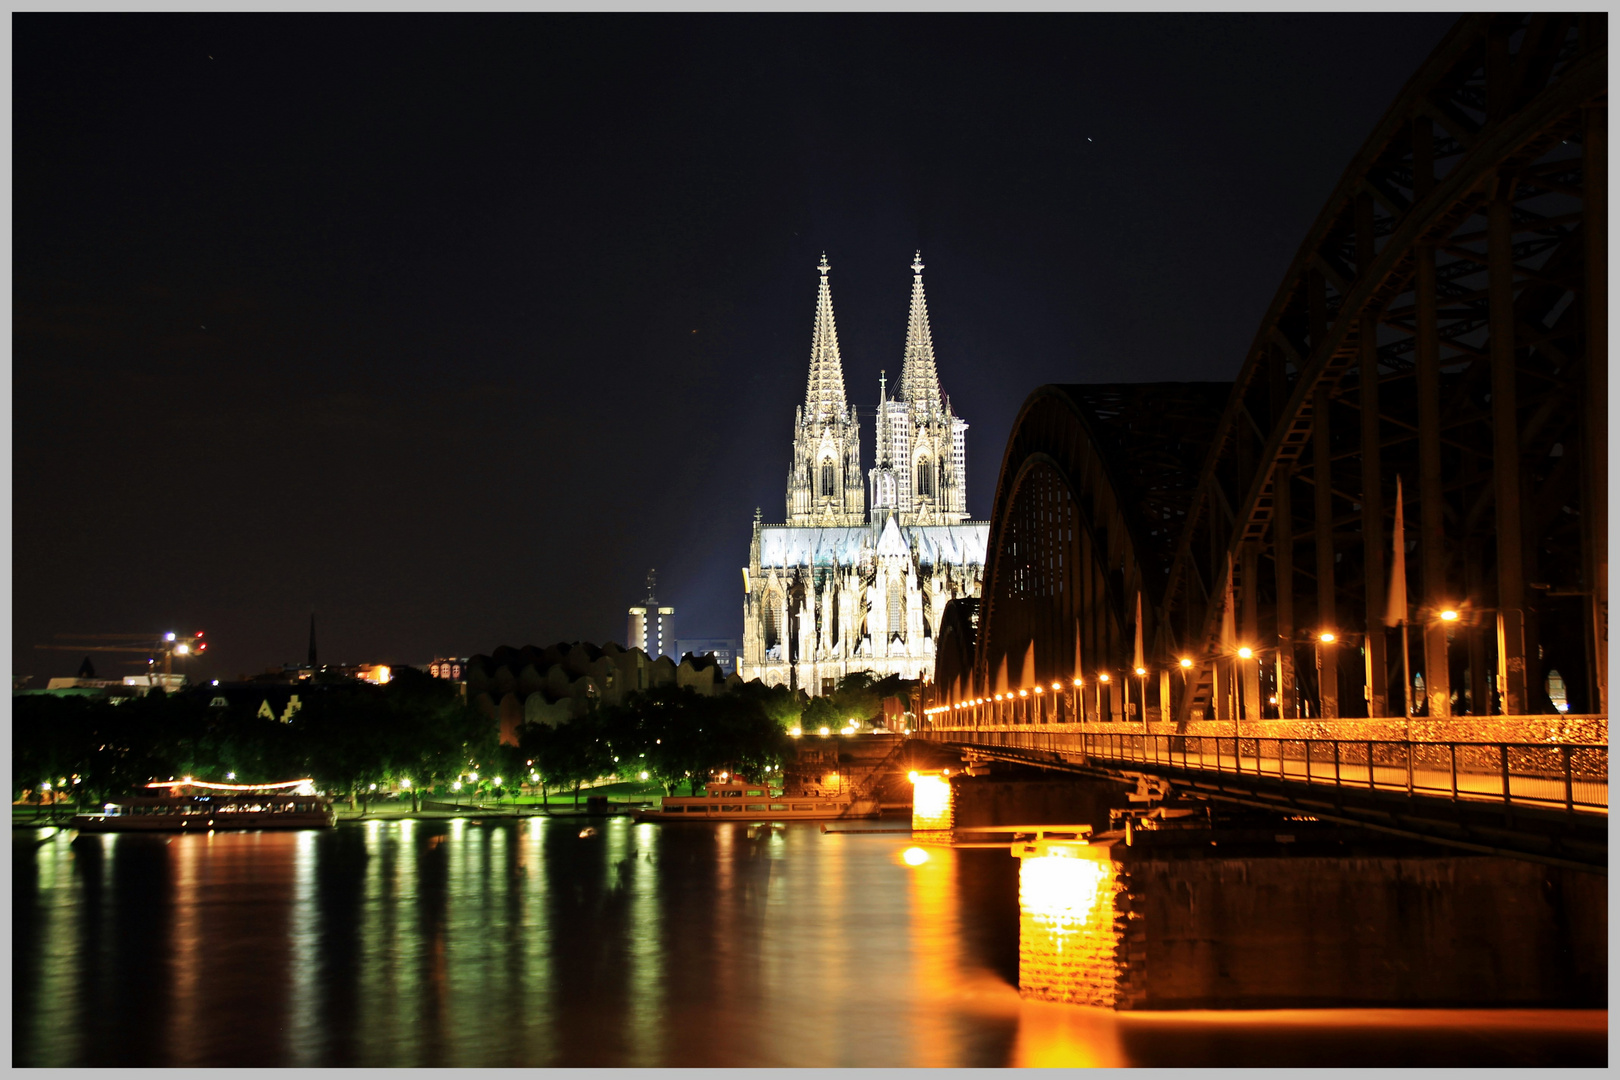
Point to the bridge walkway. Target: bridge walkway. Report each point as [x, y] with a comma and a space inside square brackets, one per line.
[1547, 802]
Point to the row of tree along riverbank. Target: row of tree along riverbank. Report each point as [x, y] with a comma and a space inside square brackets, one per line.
[414, 737]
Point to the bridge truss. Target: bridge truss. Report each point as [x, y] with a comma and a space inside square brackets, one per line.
[1442, 333]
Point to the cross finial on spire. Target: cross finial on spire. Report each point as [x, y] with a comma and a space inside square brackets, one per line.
[917, 265]
[824, 265]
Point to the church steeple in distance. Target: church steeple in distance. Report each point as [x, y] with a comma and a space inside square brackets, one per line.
[919, 378]
[824, 486]
[824, 397]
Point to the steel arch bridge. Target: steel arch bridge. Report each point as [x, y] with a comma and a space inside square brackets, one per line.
[1434, 361]
[1443, 328]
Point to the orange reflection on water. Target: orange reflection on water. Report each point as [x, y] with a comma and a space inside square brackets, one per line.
[1054, 1036]
[936, 965]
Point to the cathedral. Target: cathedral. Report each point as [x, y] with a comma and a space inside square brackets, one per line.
[838, 587]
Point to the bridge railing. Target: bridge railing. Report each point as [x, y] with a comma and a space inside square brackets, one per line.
[1567, 776]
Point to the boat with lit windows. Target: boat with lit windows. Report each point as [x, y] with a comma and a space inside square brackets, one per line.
[739, 799]
[289, 805]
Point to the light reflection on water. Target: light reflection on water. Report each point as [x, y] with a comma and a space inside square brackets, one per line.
[520, 943]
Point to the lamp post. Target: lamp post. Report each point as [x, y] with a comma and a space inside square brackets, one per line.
[1141, 693]
[1324, 657]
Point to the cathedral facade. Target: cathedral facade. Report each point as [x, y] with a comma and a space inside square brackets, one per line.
[858, 575]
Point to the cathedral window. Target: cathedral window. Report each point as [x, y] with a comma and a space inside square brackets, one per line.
[897, 608]
[826, 479]
[773, 626]
[925, 477]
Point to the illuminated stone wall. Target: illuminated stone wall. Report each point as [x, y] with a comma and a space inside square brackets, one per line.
[933, 804]
[1078, 939]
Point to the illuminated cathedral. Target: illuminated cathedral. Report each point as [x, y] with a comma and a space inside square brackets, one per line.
[840, 588]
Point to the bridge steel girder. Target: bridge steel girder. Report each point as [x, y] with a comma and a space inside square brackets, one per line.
[1090, 499]
[1444, 322]
[1441, 309]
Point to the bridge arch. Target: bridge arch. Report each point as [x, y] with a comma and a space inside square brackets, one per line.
[1442, 331]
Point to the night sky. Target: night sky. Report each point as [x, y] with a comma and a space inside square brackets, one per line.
[449, 329]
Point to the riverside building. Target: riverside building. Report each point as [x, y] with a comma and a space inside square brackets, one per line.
[837, 587]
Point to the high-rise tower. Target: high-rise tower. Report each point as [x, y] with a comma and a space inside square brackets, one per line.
[824, 482]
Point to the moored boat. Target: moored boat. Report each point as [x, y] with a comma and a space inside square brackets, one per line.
[737, 799]
[176, 813]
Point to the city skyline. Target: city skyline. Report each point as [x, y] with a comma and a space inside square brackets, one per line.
[451, 360]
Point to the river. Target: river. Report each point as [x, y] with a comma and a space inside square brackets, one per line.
[502, 943]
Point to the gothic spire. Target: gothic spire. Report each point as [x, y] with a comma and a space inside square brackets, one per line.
[919, 380]
[824, 398]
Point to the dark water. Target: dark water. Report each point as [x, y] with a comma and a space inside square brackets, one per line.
[519, 943]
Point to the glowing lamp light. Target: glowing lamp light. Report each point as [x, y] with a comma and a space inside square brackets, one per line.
[169, 636]
[1448, 615]
[473, 777]
[914, 856]
[46, 786]
[1327, 637]
[1141, 671]
[1057, 686]
[1079, 682]
[912, 776]
[182, 649]
[823, 729]
[1037, 689]
[795, 731]
[644, 774]
[998, 697]
[456, 786]
[230, 776]
[497, 781]
[1103, 677]
[1245, 652]
[1186, 662]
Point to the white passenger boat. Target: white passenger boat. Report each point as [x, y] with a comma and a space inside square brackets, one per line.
[193, 813]
[737, 799]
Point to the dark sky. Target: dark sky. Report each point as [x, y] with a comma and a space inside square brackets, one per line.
[448, 329]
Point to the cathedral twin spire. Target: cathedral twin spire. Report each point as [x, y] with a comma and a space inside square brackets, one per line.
[824, 486]
[919, 379]
[824, 397]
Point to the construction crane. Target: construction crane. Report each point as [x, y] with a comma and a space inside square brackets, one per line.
[167, 646]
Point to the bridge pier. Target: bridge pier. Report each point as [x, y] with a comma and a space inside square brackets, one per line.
[1291, 915]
